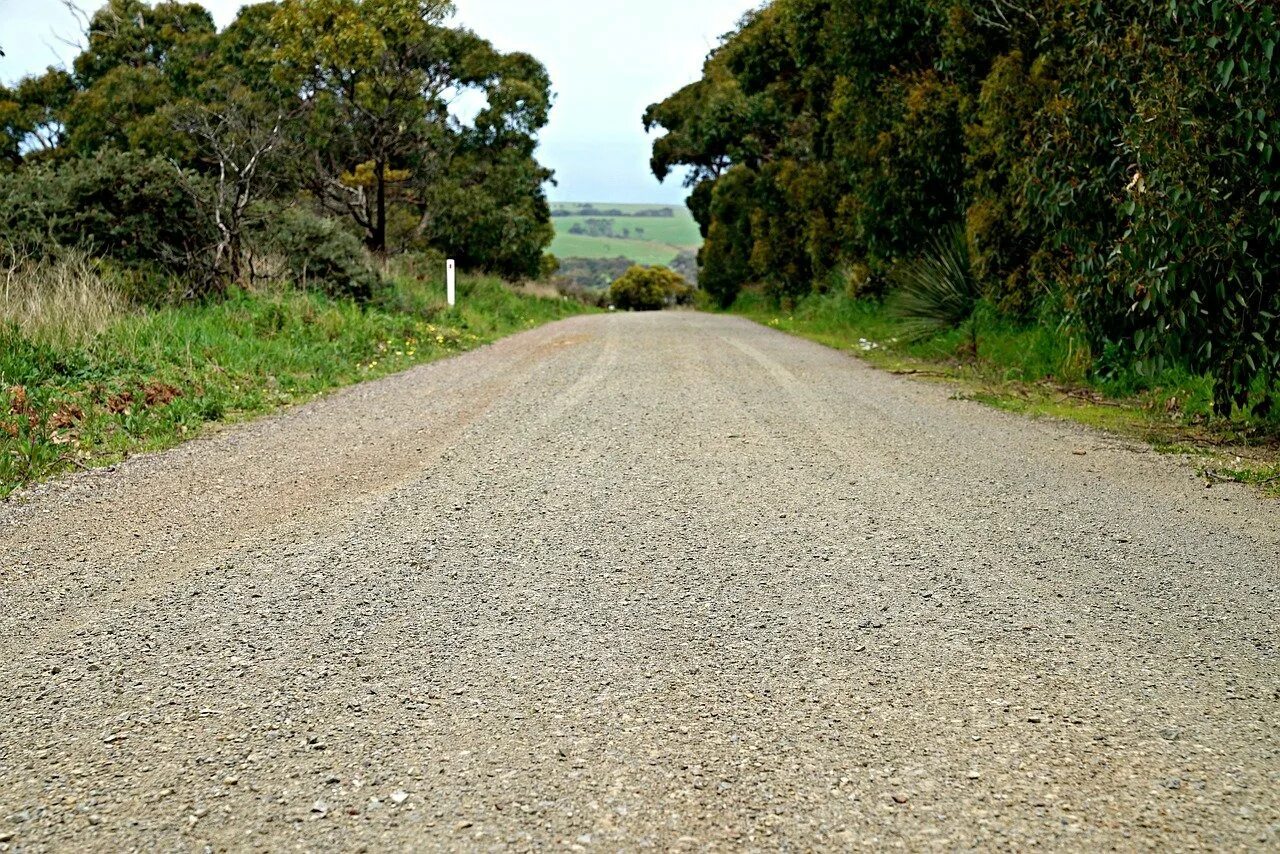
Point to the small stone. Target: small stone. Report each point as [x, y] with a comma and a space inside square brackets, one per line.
[320, 808]
[974, 775]
[900, 798]
[399, 796]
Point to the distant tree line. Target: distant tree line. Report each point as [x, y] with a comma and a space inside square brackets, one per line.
[1112, 167]
[603, 227]
[588, 210]
[308, 132]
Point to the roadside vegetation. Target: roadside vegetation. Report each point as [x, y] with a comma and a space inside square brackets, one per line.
[1071, 201]
[87, 387]
[1110, 168]
[650, 289]
[201, 225]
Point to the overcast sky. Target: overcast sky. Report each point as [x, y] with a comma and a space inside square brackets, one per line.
[608, 59]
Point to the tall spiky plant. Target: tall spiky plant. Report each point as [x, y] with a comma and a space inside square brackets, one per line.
[937, 291]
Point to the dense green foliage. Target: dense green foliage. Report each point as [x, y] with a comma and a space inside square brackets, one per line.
[318, 254]
[649, 289]
[169, 146]
[1112, 165]
[124, 206]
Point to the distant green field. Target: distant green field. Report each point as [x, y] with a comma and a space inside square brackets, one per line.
[644, 240]
[639, 251]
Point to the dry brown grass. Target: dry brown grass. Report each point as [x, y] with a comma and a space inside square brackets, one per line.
[545, 290]
[62, 302]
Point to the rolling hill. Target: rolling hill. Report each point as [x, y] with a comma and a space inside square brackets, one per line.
[639, 233]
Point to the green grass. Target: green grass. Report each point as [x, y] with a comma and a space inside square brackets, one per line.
[1041, 371]
[664, 237]
[638, 251]
[155, 378]
[680, 232]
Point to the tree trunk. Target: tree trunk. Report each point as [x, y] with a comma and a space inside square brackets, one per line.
[235, 257]
[378, 241]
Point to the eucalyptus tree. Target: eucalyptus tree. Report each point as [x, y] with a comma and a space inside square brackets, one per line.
[375, 77]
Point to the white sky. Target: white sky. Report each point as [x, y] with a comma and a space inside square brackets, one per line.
[608, 59]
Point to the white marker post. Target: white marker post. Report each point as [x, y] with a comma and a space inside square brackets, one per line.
[451, 282]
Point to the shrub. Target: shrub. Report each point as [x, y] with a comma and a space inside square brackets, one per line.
[124, 206]
[937, 291]
[649, 289]
[319, 254]
[491, 214]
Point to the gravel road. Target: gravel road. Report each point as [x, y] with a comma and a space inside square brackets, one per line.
[665, 581]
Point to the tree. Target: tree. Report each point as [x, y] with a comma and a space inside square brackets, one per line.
[480, 196]
[138, 61]
[30, 116]
[375, 76]
[239, 138]
[490, 213]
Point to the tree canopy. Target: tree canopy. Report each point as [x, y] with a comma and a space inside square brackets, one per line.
[1110, 164]
[344, 106]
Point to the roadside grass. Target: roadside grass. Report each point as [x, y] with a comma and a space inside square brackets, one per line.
[60, 302]
[144, 380]
[1041, 371]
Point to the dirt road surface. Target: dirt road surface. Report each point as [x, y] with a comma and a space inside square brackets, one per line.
[668, 581]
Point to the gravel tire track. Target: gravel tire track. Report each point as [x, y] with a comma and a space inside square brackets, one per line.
[669, 581]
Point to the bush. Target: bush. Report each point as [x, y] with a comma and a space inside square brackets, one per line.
[319, 254]
[937, 291]
[649, 289]
[491, 214]
[123, 206]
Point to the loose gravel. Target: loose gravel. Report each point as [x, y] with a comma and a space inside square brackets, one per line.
[664, 581]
